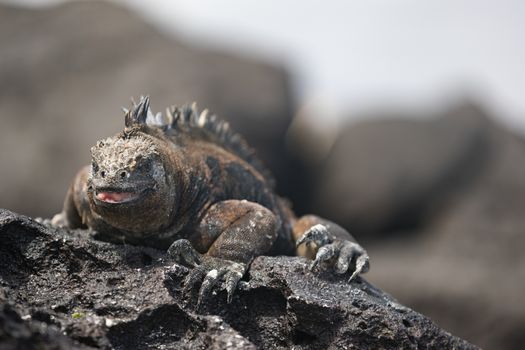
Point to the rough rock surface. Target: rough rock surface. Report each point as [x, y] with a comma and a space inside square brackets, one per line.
[63, 80]
[65, 290]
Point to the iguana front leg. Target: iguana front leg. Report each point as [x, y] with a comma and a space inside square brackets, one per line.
[232, 233]
[333, 244]
[76, 205]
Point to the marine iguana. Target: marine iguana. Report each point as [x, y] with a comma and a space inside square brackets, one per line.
[185, 182]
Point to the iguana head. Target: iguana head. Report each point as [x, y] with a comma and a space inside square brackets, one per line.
[128, 186]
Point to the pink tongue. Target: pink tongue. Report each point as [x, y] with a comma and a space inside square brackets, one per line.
[115, 197]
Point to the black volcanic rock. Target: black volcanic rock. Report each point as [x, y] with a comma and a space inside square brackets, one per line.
[63, 289]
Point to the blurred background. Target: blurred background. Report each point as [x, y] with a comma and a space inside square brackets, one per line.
[401, 120]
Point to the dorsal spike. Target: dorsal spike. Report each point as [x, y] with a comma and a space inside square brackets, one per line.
[175, 114]
[194, 108]
[139, 113]
[201, 122]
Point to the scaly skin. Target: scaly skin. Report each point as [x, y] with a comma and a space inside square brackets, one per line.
[185, 182]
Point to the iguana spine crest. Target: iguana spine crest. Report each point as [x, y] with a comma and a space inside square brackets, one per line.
[188, 120]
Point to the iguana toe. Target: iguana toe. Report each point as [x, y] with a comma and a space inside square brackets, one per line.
[210, 280]
[183, 252]
[324, 253]
[362, 264]
[317, 234]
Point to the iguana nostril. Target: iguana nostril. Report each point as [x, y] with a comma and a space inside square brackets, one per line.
[123, 175]
[103, 173]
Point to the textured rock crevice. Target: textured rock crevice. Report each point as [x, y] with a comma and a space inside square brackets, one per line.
[62, 289]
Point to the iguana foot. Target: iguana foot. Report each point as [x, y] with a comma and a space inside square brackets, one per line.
[210, 270]
[58, 220]
[45, 222]
[341, 253]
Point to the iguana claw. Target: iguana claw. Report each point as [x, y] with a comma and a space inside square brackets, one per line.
[210, 270]
[341, 253]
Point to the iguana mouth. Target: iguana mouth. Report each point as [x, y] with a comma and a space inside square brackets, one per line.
[117, 197]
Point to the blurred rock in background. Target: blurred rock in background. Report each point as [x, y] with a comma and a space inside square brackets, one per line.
[439, 202]
[66, 70]
[392, 173]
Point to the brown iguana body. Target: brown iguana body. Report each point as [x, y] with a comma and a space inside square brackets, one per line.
[186, 182]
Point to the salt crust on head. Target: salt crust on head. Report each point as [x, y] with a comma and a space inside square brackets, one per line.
[116, 153]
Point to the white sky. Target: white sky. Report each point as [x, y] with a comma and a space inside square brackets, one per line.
[359, 55]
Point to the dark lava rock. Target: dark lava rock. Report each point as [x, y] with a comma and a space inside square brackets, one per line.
[63, 289]
[65, 70]
[18, 333]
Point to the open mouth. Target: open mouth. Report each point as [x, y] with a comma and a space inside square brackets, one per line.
[114, 197]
